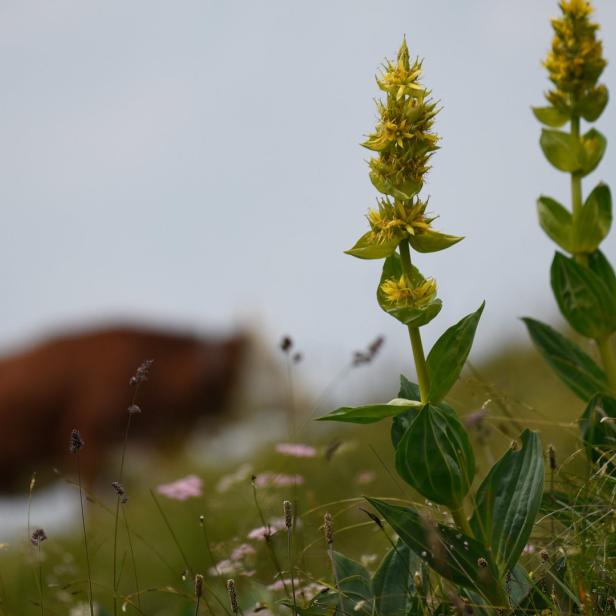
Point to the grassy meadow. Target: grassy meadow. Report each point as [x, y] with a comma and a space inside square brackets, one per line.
[170, 543]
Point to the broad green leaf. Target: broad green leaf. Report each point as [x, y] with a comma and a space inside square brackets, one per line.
[392, 584]
[508, 500]
[371, 413]
[592, 106]
[408, 390]
[436, 458]
[448, 551]
[595, 220]
[582, 297]
[563, 151]
[598, 263]
[594, 144]
[367, 248]
[354, 585]
[550, 116]
[446, 359]
[556, 221]
[519, 585]
[432, 241]
[414, 317]
[400, 423]
[574, 367]
[598, 428]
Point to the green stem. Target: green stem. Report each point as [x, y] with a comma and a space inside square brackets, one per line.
[85, 537]
[459, 517]
[606, 351]
[420, 363]
[414, 334]
[576, 196]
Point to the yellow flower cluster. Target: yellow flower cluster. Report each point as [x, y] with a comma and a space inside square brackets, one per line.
[400, 294]
[397, 219]
[403, 136]
[575, 61]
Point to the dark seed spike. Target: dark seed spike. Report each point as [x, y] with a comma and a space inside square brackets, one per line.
[76, 442]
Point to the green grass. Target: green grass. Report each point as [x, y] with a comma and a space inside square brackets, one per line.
[516, 388]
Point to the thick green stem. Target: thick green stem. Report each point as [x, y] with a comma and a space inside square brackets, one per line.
[606, 351]
[459, 517]
[416, 344]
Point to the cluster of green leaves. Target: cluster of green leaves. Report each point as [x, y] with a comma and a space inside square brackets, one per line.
[391, 591]
[433, 454]
[583, 281]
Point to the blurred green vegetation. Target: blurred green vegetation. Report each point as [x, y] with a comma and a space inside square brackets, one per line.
[500, 396]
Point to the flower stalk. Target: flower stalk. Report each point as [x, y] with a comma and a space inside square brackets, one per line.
[584, 283]
[414, 333]
[433, 452]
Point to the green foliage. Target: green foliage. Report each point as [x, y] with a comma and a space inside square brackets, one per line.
[591, 107]
[405, 190]
[572, 154]
[400, 423]
[508, 500]
[449, 552]
[595, 220]
[390, 592]
[392, 583]
[371, 413]
[563, 151]
[583, 298]
[436, 458]
[574, 367]
[593, 147]
[557, 222]
[602, 268]
[354, 585]
[550, 116]
[366, 248]
[413, 316]
[432, 241]
[598, 429]
[448, 355]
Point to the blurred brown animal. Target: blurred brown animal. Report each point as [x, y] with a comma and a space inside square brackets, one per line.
[82, 381]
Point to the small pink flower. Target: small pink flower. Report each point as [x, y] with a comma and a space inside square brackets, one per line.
[311, 590]
[365, 477]
[297, 450]
[282, 584]
[182, 489]
[262, 532]
[224, 567]
[269, 479]
[245, 549]
[238, 476]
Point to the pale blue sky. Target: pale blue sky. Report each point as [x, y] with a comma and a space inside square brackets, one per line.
[198, 162]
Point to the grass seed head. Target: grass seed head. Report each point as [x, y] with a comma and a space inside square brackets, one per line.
[76, 442]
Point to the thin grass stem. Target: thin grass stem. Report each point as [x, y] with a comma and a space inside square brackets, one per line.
[85, 535]
[171, 532]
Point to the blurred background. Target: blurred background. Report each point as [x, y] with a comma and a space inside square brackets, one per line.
[195, 166]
